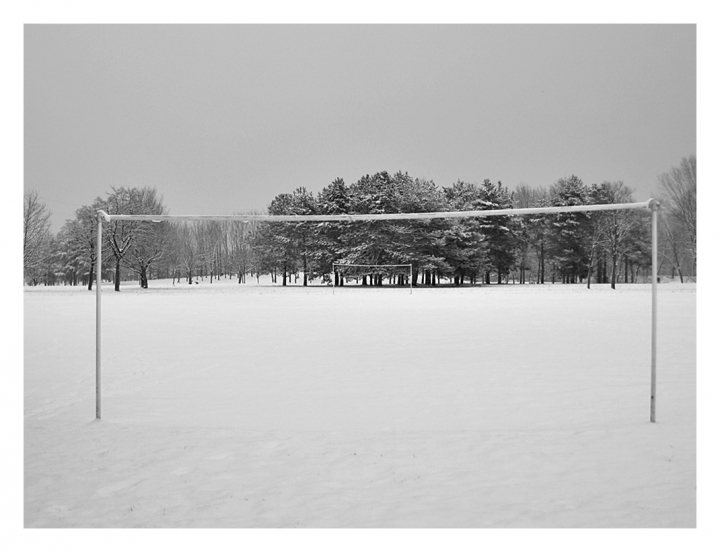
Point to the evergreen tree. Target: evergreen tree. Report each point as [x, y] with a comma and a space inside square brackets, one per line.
[500, 231]
[464, 245]
[330, 237]
[275, 241]
[569, 236]
[368, 242]
[302, 234]
[421, 241]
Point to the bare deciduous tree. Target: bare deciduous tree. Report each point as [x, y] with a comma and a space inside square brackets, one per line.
[152, 239]
[189, 237]
[123, 235]
[240, 247]
[82, 237]
[680, 188]
[36, 233]
[618, 225]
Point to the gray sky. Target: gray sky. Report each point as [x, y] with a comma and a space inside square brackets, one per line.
[221, 119]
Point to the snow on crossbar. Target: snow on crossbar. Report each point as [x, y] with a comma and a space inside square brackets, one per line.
[385, 216]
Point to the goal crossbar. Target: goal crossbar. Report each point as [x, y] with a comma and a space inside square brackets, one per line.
[652, 204]
[385, 216]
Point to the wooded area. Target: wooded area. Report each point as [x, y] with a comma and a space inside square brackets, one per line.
[578, 247]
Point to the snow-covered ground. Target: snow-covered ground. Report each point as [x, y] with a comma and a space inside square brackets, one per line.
[231, 405]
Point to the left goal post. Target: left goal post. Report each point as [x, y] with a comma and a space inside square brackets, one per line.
[98, 315]
[652, 204]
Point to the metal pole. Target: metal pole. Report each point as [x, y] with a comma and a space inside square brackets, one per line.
[98, 296]
[654, 206]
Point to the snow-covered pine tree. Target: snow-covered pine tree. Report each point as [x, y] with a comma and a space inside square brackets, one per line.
[330, 237]
[463, 242]
[569, 236]
[501, 232]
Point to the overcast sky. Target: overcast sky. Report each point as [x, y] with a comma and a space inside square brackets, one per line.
[221, 119]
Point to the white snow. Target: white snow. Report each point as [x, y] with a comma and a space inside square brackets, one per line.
[231, 405]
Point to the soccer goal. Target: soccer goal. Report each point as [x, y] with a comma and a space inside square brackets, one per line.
[651, 204]
[401, 272]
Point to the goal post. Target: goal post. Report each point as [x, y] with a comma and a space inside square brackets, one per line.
[652, 204]
[370, 269]
[98, 314]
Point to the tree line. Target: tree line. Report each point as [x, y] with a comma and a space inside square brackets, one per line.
[576, 247]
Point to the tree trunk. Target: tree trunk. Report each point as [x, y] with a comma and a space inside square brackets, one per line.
[117, 275]
[91, 276]
[605, 276]
[626, 269]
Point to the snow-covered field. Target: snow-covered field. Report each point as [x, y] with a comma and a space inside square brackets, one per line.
[231, 405]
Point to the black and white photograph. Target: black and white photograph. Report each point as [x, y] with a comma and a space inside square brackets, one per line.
[358, 275]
